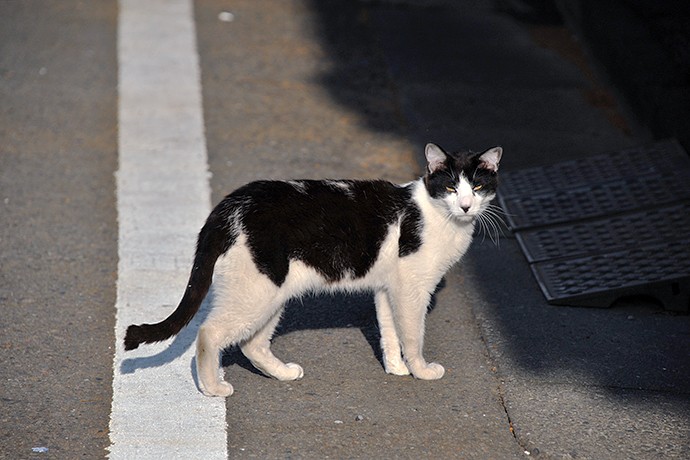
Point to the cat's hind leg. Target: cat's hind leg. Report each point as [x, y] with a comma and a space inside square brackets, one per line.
[243, 303]
[209, 343]
[258, 350]
[390, 343]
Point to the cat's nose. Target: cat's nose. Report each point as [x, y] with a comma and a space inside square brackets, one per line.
[465, 203]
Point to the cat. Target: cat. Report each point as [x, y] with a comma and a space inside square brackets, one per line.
[270, 241]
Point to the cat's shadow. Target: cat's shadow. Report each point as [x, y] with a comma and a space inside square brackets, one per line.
[326, 312]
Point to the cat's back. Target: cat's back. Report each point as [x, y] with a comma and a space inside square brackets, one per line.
[296, 199]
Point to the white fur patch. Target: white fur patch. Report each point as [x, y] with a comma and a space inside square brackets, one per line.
[299, 186]
[342, 186]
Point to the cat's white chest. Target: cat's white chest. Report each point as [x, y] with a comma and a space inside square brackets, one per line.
[444, 240]
[447, 244]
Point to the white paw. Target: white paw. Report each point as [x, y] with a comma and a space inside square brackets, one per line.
[222, 389]
[396, 368]
[292, 371]
[431, 371]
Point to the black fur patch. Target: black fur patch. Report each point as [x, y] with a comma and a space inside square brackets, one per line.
[410, 231]
[337, 230]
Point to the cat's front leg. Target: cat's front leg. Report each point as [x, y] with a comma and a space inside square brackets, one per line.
[390, 343]
[409, 310]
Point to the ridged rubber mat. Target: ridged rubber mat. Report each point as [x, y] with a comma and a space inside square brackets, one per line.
[582, 238]
[606, 226]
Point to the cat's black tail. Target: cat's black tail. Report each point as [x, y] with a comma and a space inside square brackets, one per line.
[214, 240]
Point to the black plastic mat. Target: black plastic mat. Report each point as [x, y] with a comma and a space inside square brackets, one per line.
[606, 226]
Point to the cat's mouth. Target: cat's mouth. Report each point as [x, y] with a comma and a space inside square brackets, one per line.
[463, 216]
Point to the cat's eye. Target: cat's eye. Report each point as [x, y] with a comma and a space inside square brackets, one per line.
[476, 188]
[451, 189]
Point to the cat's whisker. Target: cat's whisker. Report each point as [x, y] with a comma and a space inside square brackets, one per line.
[497, 230]
[486, 229]
[496, 212]
[493, 235]
[496, 220]
[499, 210]
[490, 224]
[482, 227]
[498, 224]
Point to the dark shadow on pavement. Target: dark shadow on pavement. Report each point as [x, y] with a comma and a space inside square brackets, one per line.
[472, 78]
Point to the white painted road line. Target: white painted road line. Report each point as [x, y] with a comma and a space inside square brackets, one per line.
[163, 197]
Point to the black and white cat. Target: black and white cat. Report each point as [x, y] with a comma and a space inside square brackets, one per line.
[270, 241]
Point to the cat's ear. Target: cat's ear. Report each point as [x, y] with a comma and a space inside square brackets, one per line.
[491, 158]
[435, 157]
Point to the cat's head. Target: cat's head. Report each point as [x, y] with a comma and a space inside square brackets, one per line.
[465, 182]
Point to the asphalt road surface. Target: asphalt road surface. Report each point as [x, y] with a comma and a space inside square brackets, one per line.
[310, 89]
